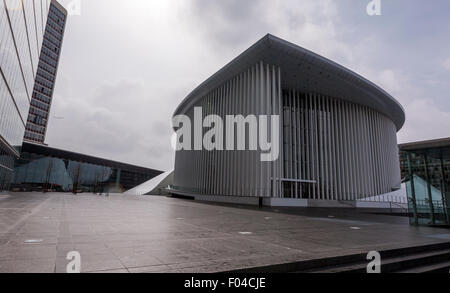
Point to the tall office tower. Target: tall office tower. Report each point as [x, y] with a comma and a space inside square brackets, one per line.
[41, 99]
[21, 35]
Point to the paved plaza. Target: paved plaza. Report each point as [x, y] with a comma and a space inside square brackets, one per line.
[127, 234]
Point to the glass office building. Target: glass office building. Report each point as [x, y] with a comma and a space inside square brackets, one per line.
[42, 168]
[21, 35]
[426, 171]
[41, 99]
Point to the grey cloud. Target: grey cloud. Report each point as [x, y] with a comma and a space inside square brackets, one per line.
[111, 123]
[228, 23]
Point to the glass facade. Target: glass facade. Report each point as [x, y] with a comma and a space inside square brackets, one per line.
[41, 168]
[426, 172]
[41, 99]
[21, 33]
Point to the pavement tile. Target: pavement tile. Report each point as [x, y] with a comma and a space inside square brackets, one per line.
[122, 234]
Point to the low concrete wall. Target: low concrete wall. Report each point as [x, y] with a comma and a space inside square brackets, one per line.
[228, 199]
[381, 205]
[285, 202]
[271, 202]
[331, 204]
[292, 202]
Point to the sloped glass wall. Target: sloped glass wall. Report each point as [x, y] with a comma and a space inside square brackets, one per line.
[426, 174]
[45, 169]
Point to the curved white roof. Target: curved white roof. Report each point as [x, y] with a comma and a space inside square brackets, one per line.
[306, 71]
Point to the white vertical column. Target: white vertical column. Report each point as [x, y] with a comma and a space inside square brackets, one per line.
[235, 170]
[254, 191]
[246, 179]
[290, 148]
[313, 146]
[378, 161]
[362, 154]
[310, 138]
[328, 159]
[219, 185]
[354, 175]
[230, 154]
[226, 162]
[303, 145]
[344, 146]
[367, 151]
[294, 130]
[275, 174]
[342, 150]
[248, 157]
[261, 103]
[298, 148]
[268, 111]
[349, 151]
[358, 145]
[212, 169]
[201, 172]
[322, 147]
[335, 150]
[280, 106]
[240, 167]
[373, 153]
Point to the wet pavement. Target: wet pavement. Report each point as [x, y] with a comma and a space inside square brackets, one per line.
[121, 234]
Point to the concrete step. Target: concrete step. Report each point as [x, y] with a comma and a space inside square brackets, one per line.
[441, 267]
[392, 260]
[393, 264]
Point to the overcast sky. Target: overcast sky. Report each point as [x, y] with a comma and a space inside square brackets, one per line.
[127, 64]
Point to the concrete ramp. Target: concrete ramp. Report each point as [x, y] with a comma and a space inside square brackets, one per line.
[155, 186]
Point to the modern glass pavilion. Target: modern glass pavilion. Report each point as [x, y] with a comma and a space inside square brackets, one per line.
[41, 168]
[426, 171]
[337, 132]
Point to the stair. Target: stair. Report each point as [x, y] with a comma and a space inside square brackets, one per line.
[433, 258]
[392, 264]
[441, 267]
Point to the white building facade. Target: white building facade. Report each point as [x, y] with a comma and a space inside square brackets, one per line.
[337, 130]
